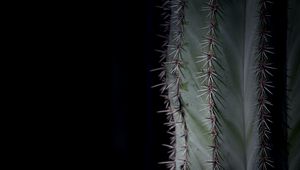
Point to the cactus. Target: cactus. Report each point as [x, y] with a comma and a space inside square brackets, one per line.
[230, 79]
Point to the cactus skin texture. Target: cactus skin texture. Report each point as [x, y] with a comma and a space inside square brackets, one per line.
[221, 62]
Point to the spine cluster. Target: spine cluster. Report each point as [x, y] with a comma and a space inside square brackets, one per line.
[209, 59]
[263, 73]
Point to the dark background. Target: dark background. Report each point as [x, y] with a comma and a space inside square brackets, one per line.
[59, 62]
[137, 130]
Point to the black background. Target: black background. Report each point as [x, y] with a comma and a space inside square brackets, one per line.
[60, 69]
[137, 130]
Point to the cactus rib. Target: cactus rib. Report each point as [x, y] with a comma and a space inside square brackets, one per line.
[263, 73]
[209, 75]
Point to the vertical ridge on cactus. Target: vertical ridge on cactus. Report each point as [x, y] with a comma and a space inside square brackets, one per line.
[174, 81]
[263, 72]
[171, 164]
[209, 76]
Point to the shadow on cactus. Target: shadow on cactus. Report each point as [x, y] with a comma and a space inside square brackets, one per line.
[230, 79]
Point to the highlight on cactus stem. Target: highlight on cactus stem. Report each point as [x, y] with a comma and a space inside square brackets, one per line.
[230, 78]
